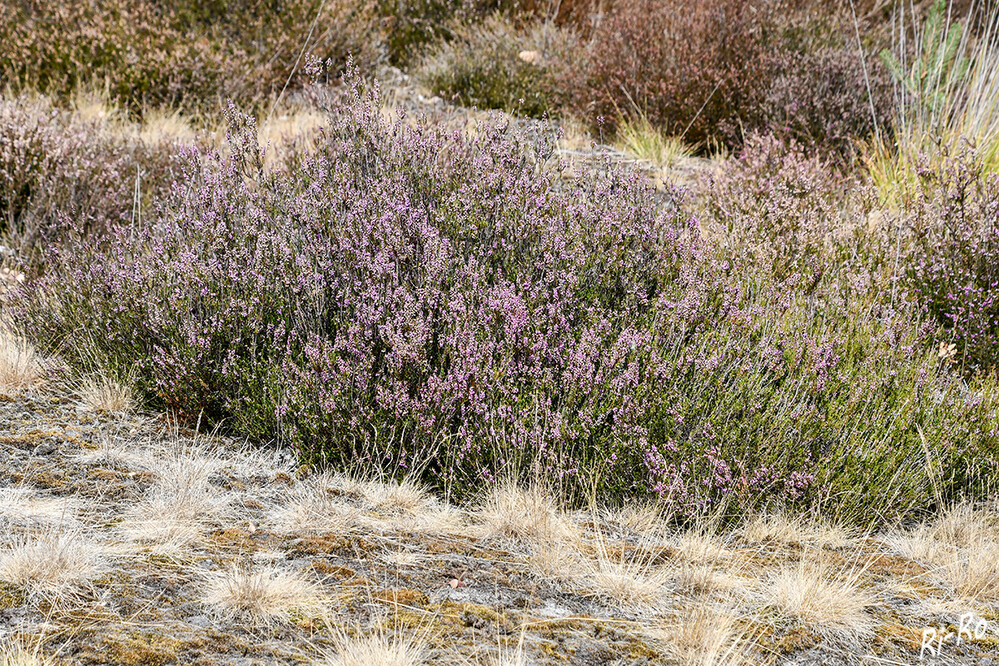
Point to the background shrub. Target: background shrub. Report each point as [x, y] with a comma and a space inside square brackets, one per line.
[62, 175]
[409, 296]
[493, 65]
[176, 52]
[715, 71]
[776, 209]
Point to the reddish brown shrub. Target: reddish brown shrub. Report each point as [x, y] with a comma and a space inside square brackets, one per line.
[718, 69]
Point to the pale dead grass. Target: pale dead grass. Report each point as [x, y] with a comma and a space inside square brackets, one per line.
[175, 510]
[704, 636]
[404, 558]
[314, 506]
[960, 548]
[783, 528]
[812, 594]
[260, 598]
[52, 563]
[377, 649]
[100, 393]
[15, 653]
[28, 508]
[430, 519]
[21, 367]
[639, 519]
[697, 545]
[556, 562]
[406, 496]
[525, 514]
[629, 580]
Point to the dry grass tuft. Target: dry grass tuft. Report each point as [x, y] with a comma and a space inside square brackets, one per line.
[961, 549]
[628, 580]
[260, 598]
[405, 496]
[27, 508]
[51, 564]
[21, 368]
[783, 528]
[314, 506]
[699, 546]
[641, 519]
[377, 649]
[529, 514]
[14, 653]
[173, 513]
[100, 393]
[556, 561]
[811, 594]
[706, 637]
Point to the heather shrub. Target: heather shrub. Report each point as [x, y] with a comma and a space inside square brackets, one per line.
[411, 296]
[177, 52]
[61, 175]
[715, 71]
[777, 209]
[493, 65]
[953, 271]
[689, 67]
[826, 99]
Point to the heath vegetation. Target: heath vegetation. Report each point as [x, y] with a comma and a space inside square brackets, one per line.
[719, 371]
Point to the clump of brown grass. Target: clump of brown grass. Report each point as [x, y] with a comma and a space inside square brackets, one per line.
[174, 510]
[27, 508]
[314, 505]
[100, 393]
[961, 549]
[813, 595]
[706, 637]
[21, 368]
[526, 514]
[260, 598]
[377, 649]
[404, 496]
[626, 578]
[14, 653]
[783, 528]
[52, 563]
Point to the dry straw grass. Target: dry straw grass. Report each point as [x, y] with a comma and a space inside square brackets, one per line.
[706, 637]
[27, 508]
[261, 598]
[377, 649]
[314, 506]
[627, 578]
[525, 514]
[15, 653]
[100, 393]
[810, 593]
[21, 368]
[960, 548]
[783, 528]
[52, 564]
[182, 500]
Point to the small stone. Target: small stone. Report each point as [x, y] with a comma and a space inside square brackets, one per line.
[44, 449]
[530, 57]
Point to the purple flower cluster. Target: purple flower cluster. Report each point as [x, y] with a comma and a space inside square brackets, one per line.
[954, 267]
[450, 301]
